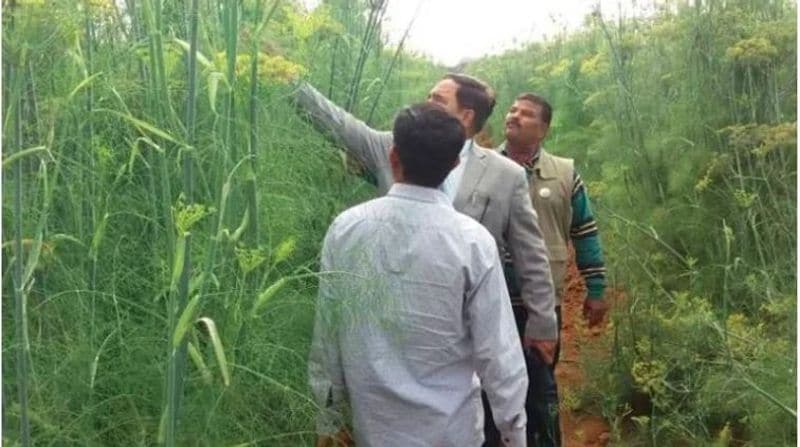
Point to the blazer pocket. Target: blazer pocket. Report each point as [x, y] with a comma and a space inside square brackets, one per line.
[477, 206]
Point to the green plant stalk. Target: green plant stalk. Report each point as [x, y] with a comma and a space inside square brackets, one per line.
[376, 12]
[216, 237]
[90, 154]
[776, 96]
[33, 103]
[252, 194]
[726, 274]
[395, 57]
[231, 151]
[334, 51]
[191, 102]
[20, 298]
[231, 39]
[161, 75]
[158, 80]
[176, 357]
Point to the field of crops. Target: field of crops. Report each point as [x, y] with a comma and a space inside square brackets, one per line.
[164, 204]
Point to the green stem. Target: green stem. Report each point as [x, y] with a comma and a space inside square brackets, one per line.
[20, 298]
[398, 51]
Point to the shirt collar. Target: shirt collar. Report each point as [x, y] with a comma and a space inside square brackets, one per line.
[531, 163]
[419, 194]
[465, 149]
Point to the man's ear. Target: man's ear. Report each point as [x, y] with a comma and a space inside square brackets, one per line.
[468, 118]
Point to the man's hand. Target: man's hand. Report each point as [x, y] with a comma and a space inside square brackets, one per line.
[545, 348]
[594, 310]
[340, 439]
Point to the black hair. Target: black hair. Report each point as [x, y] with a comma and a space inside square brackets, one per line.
[547, 110]
[474, 94]
[428, 141]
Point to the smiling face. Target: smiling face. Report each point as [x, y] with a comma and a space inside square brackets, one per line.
[445, 93]
[525, 123]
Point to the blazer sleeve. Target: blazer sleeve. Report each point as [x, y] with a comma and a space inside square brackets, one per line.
[369, 146]
[499, 362]
[525, 241]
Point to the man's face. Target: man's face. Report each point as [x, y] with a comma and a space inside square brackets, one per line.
[524, 123]
[444, 94]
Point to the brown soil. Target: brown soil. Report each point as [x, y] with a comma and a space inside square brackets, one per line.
[579, 428]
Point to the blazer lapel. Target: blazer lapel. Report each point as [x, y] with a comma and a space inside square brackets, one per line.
[473, 171]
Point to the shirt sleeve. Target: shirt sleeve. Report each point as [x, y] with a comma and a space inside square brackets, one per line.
[499, 361]
[585, 238]
[369, 146]
[325, 373]
[525, 242]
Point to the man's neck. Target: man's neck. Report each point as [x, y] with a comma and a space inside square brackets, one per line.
[522, 153]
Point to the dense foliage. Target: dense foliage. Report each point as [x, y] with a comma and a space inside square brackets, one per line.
[162, 213]
[684, 126]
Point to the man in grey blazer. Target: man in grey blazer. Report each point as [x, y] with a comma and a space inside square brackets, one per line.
[485, 186]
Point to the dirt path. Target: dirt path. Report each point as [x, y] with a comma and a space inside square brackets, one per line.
[578, 428]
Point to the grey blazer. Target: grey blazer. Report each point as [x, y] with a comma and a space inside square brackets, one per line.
[493, 191]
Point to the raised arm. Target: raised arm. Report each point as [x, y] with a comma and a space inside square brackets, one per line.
[366, 144]
[499, 361]
[529, 256]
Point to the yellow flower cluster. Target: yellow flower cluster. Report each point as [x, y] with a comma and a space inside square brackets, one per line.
[762, 139]
[278, 69]
[285, 249]
[716, 166]
[650, 376]
[249, 258]
[188, 215]
[755, 51]
[100, 4]
[741, 335]
[744, 199]
[319, 23]
[594, 65]
[559, 68]
[598, 188]
[272, 69]
[783, 135]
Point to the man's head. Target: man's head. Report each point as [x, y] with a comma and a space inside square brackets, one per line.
[427, 140]
[528, 120]
[468, 99]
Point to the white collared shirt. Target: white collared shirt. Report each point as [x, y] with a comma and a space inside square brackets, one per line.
[412, 304]
[453, 179]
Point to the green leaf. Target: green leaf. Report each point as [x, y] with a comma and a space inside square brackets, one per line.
[24, 153]
[81, 85]
[219, 352]
[143, 126]
[98, 238]
[185, 321]
[213, 86]
[268, 294]
[199, 363]
[200, 57]
[177, 267]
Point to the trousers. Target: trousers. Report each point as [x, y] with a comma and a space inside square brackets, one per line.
[541, 404]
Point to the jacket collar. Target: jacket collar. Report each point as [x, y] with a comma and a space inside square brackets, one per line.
[542, 163]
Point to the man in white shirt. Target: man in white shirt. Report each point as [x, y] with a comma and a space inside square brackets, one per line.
[412, 304]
